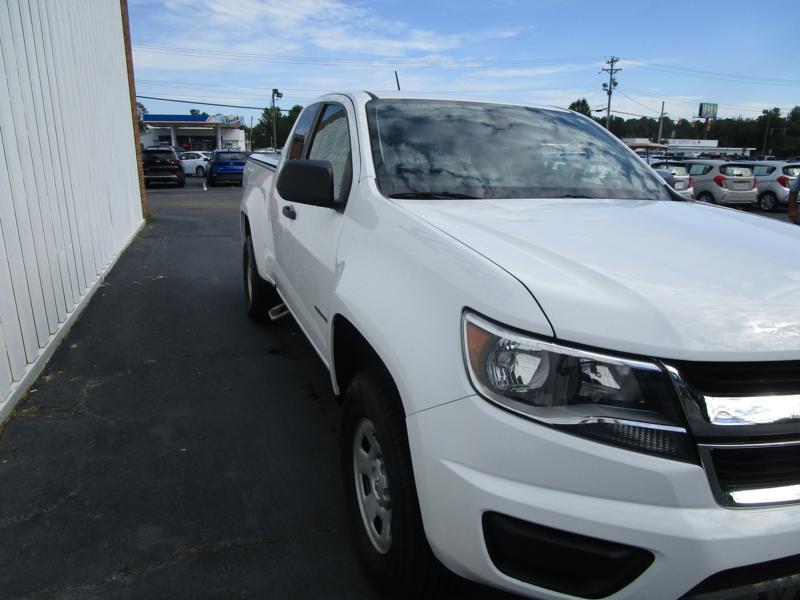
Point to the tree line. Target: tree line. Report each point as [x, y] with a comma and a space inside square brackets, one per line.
[783, 134]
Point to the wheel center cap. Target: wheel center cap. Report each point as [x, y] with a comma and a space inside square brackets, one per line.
[380, 484]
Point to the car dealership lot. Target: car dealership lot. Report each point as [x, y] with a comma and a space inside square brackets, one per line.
[172, 448]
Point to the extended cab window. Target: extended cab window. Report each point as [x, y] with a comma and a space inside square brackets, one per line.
[304, 123]
[331, 142]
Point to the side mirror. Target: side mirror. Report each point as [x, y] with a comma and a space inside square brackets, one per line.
[205, 159]
[307, 182]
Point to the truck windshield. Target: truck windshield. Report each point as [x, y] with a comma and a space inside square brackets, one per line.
[447, 149]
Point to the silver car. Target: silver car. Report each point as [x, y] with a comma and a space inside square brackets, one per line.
[721, 182]
[680, 175]
[773, 180]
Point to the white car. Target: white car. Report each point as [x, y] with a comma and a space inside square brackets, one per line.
[195, 162]
[559, 377]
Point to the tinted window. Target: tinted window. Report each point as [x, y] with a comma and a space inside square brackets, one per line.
[736, 170]
[231, 156]
[444, 148]
[332, 142]
[699, 169]
[159, 155]
[304, 123]
[792, 170]
[675, 169]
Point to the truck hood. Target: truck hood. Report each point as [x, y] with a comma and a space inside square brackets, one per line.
[678, 280]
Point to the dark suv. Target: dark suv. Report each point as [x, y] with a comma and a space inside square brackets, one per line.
[162, 166]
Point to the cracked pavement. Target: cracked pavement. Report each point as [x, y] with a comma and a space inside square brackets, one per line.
[172, 448]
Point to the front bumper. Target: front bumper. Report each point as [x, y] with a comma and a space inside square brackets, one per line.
[471, 457]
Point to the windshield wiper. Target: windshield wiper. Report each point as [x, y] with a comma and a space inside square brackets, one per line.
[433, 196]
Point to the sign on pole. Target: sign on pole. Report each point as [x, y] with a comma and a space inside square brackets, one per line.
[708, 110]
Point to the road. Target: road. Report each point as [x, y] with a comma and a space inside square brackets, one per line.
[172, 448]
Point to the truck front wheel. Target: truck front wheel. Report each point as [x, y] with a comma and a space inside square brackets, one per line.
[260, 296]
[383, 509]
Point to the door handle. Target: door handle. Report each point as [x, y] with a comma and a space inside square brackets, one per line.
[289, 212]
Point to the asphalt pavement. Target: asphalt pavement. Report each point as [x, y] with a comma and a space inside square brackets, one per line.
[172, 448]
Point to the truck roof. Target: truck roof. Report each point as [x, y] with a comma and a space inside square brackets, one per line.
[363, 96]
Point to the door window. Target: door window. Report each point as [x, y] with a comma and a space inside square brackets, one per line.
[331, 142]
[304, 123]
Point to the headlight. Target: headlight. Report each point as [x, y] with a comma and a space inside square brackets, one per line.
[617, 400]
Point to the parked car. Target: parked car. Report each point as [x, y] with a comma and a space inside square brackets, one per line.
[194, 163]
[555, 379]
[680, 175]
[161, 165]
[720, 182]
[773, 180]
[226, 166]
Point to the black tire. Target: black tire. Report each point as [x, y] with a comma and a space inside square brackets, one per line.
[147, 185]
[182, 183]
[210, 182]
[200, 172]
[259, 295]
[706, 197]
[408, 569]
[768, 201]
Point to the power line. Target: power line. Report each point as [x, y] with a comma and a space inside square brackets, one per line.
[208, 103]
[437, 62]
[637, 102]
[718, 76]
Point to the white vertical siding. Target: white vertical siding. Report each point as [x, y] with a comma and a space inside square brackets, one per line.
[69, 187]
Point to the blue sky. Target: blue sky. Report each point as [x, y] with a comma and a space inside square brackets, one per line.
[743, 55]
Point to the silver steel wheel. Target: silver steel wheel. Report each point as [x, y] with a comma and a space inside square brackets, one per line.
[200, 172]
[768, 201]
[372, 486]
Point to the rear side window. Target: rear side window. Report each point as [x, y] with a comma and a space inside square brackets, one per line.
[759, 170]
[699, 169]
[304, 123]
[736, 170]
[231, 156]
[674, 168]
[331, 142]
[791, 170]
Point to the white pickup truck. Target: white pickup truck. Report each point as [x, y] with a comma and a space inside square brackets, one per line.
[559, 377]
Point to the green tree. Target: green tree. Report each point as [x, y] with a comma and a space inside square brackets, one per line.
[194, 111]
[141, 111]
[581, 106]
[262, 131]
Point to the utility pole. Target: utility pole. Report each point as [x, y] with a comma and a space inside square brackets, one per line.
[768, 114]
[275, 94]
[397, 80]
[609, 87]
[250, 134]
[660, 123]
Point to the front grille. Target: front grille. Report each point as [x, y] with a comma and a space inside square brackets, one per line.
[757, 467]
[742, 379]
[755, 462]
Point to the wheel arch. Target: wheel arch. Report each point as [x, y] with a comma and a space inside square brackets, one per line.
[351, 353]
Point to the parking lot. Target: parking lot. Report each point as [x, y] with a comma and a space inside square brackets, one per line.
[171, 448]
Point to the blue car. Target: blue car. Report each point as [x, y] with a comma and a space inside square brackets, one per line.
[226, 166]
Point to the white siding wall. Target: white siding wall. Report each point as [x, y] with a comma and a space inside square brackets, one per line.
[69, 188]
